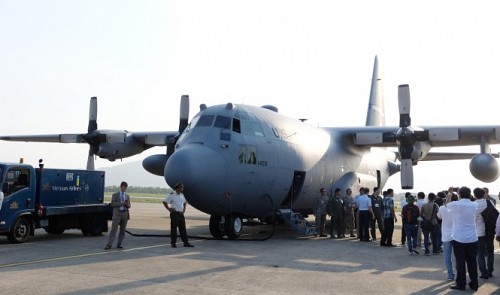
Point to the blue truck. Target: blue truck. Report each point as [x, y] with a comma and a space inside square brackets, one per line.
[52, 199]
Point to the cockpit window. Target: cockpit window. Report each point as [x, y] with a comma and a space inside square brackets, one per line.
[205, 120]
[236, 125]
[223, 122]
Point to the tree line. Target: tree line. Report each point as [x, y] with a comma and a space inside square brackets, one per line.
[140, 189]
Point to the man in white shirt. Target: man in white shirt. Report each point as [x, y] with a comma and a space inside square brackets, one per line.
[464, 237]
[175, 203]
[446, 228]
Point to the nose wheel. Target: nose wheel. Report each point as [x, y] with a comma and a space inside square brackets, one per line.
[229, 225]
[234, 226]
[216, 226]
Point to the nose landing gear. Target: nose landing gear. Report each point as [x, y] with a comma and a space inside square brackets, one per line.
[230, 225]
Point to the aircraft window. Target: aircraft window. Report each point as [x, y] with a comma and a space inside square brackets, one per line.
[191, 124]
[257, 129]
[276, 132]
[236, 125]
[223, 122]
[251, 128]
[241, 115]
[205, 120]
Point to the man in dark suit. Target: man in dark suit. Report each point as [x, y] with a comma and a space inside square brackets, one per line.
[120, 201]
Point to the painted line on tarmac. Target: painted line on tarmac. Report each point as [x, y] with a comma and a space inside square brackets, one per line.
[77, 256]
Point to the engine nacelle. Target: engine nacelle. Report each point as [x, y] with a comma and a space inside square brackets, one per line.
[155, 164]
[484, 167]
[113, 151]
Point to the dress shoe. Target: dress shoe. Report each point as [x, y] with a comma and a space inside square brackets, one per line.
[322, 236]
[473, 287]
[484, 277]
[188, 245]
[119, 246]
[490, 275]
[174, 246]
[455, 287]
[391, 245]
[107, 247]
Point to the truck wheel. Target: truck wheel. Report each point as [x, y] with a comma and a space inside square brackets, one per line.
[21, 231]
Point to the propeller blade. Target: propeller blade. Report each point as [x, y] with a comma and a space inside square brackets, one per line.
[92, 114]
[183, 122]
[406, 174]
[184, 113]
[90, 160]
[404, 105]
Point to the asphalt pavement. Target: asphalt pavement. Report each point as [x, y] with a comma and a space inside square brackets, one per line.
[261, 262]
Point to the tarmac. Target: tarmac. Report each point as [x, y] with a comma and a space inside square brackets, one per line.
[260, 262]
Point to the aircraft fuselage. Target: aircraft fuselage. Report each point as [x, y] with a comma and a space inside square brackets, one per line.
[231, 156]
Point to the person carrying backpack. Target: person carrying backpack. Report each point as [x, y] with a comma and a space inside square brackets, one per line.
[410, 215]
[485, 227]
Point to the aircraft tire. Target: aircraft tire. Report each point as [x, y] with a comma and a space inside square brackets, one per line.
[216, 226]
[234, 226]
[21, 231]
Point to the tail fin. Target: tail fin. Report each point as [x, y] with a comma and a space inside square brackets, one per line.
[376, 107]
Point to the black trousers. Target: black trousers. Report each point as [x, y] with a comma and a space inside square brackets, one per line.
[177, 220]
[364, 225]
[388, 231]
[465, 255]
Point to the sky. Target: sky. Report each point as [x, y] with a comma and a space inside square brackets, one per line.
[311, 59]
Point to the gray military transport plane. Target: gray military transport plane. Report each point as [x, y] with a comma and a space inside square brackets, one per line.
[241, 162]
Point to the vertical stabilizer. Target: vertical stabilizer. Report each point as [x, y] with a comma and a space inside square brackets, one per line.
[376, 108]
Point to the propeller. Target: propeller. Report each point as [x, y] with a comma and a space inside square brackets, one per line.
[91, 128]
[155, 164]
[183, 122]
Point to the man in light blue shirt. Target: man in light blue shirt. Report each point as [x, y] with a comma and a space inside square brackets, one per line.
[364, 205]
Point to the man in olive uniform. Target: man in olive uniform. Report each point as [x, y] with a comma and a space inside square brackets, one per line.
[348, 213]
[335, 208]
[320, 210]
[378, 206]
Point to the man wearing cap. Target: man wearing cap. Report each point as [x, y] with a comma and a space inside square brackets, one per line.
[175, 203]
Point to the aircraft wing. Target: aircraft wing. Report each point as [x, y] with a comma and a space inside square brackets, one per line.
[414, 145]
[159, 138]
[435, 136]
[61, 138]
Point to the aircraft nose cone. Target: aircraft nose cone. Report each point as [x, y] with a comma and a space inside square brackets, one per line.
[200, 168]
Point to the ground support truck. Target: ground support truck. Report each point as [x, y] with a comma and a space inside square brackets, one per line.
[52, 199]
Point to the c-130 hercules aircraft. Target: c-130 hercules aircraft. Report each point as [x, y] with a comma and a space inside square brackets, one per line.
[237, 160]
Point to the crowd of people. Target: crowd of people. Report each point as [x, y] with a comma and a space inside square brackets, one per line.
[456, 221]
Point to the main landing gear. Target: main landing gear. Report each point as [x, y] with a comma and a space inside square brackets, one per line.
[230, 225]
